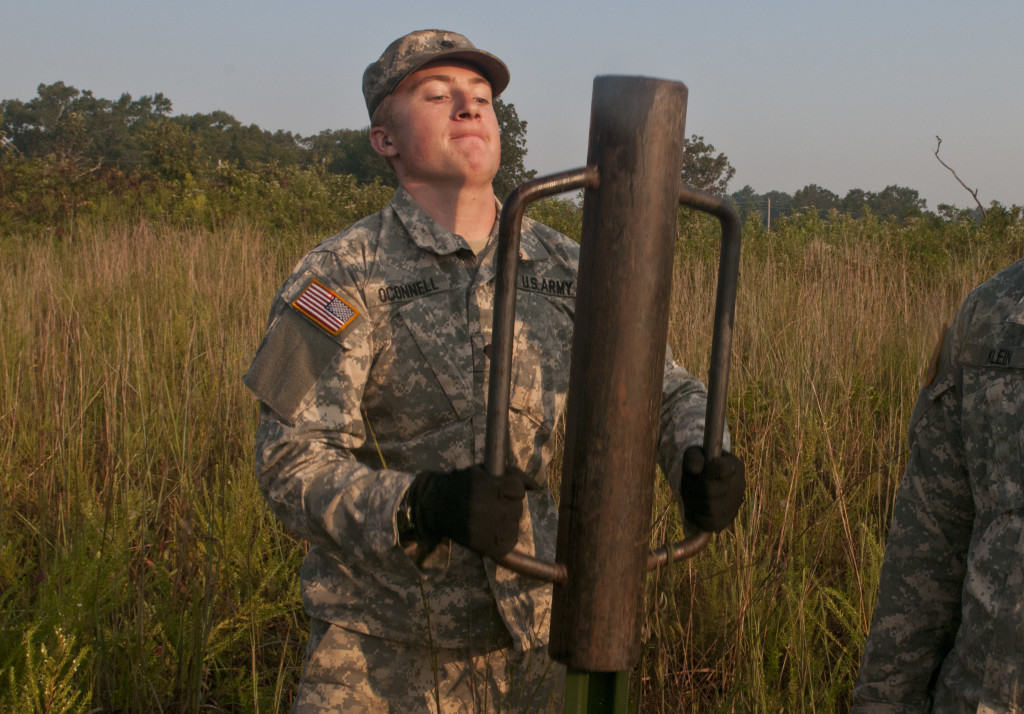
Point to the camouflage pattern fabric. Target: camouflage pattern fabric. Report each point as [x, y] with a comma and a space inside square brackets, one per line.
[385, 377]
[349, 672]
[416, 49]
[948, 630]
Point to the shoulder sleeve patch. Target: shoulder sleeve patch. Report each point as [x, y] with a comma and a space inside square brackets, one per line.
[325, 307]
[290, 359]
[312, 327]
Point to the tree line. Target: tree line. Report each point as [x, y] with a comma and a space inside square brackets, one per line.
[898, 203]
[87, 133]
[66, 152]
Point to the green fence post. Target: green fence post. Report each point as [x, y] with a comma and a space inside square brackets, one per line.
[596, 692]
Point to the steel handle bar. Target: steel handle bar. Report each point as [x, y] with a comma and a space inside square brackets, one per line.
[507, 267]
[507, 258]
[721, 348]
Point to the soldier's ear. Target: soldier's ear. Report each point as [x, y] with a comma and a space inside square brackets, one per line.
[381, 142]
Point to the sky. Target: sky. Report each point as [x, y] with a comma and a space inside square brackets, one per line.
[839, 94]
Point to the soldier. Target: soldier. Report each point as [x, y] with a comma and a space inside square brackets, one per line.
[948, 630]
[371, 380]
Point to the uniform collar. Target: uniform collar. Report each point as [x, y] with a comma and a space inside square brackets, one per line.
[530, 246]
[425, 232]
[429, 235]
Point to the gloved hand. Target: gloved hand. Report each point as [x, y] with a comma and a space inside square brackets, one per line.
[712, 491]
[469, 506]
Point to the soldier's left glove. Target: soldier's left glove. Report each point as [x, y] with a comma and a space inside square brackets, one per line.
[712, 491]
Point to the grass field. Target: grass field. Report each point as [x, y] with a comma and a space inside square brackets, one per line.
[140, 570]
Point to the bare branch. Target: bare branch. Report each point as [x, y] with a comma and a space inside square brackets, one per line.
[88, 171]
[7, 142]
[974, 193]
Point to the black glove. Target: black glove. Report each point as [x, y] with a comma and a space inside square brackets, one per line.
[712, 491]
[469, 506]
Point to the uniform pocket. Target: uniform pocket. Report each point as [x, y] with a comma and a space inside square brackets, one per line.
[541, 358]
[439, 331]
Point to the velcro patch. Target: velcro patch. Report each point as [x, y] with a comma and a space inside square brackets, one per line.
[325, 307]
[993, 354]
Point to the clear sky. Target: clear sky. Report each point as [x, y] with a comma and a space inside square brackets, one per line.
[841, 94]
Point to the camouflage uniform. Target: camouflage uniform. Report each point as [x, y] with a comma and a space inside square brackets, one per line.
[386, 376]
[383, 676]
[948, 631]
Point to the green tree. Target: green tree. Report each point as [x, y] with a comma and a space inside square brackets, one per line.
[898, 202]
[116, 128]
[512, 171]
[348, 151]
[748, 203]
[78, 130]
[52, 124]
[222, 137]
[998, 219]
[704, 169]
[172, 152]
[212, 131]
[779, 203]
[814, 196]
[855, 201]
[71, 148]
[954, 214]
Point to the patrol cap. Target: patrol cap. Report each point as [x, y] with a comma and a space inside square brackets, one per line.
[410, 52]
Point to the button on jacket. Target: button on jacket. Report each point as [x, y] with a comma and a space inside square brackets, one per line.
[948, 630]
[374, 367]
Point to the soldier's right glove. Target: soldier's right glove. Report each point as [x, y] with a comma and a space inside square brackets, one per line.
[712, 491]
[469, 506]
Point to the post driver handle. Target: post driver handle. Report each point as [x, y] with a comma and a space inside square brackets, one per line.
[507, 257]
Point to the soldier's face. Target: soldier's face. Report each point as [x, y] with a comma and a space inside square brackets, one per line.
[442, 127]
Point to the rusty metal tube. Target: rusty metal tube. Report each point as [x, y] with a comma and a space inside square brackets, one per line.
[507, 259]
[721, 349]
[682, 550]
[618, 352]
[507, 267]
[725, 303]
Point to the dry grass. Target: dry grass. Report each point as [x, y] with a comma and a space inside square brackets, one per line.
[139, 569]
[832, 334]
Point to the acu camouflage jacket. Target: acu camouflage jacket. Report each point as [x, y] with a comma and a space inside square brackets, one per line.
[948, 630]
[374, 367]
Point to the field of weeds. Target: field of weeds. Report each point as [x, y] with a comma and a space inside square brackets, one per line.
[140, 570]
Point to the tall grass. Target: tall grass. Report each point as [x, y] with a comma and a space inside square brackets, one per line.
[130, 519]
[835, 324]
[140, 570]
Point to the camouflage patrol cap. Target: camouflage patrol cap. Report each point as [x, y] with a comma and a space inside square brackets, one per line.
[410, 52]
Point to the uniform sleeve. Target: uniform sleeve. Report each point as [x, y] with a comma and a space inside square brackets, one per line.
[683, 409]
[310, 384]
[918, 608]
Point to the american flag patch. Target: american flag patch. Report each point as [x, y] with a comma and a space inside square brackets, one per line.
[324, 307]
